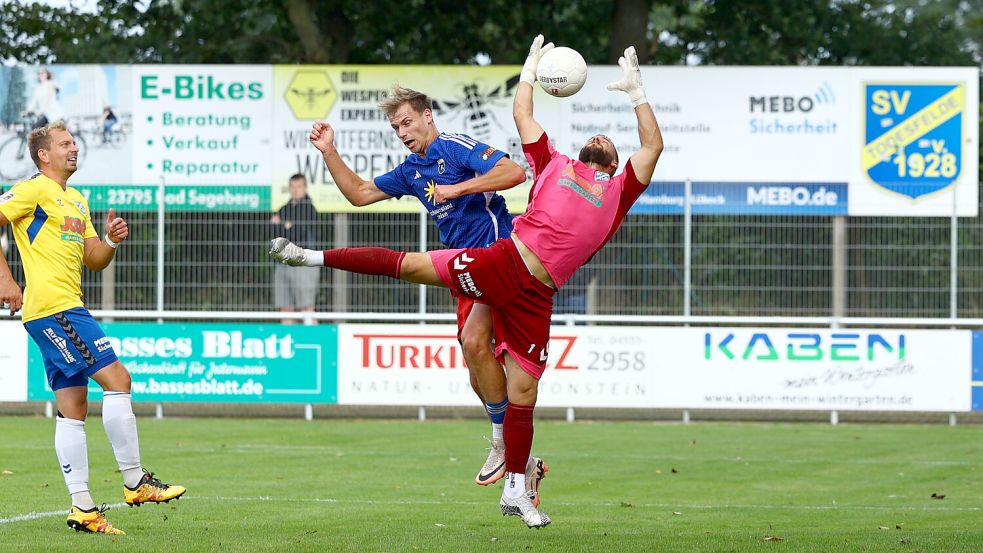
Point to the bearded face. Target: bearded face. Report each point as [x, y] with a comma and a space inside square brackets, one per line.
[600, 150]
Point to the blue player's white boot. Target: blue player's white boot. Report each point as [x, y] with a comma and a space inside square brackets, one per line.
[287, 252]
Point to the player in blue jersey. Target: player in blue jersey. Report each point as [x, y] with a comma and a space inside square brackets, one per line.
[456, 178]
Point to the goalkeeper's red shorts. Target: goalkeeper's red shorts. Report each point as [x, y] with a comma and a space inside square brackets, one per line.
[521, 305]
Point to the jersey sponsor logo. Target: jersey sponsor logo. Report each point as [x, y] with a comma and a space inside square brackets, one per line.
[7, 197]
[102, 344]
[417, 175]
[430, 190]
[913, 135]
[590, 191]
[73, 229]
[60, 343]
[442, 212]
[73, 225]
[488, 153]
[468, 286]
[441, 167]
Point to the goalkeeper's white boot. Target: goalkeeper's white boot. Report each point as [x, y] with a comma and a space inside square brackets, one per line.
[522, 507]
[287, 252]
[494, 468]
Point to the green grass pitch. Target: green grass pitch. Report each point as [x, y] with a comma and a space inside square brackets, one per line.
[367, 486]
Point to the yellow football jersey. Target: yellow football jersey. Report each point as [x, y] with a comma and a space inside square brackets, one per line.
[50, 227]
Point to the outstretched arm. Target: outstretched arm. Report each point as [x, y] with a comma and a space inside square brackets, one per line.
[357, 190]
[529, 129]
[504, 175]
[644, 160]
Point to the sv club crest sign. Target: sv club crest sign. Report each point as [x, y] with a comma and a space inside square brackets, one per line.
[913, 136]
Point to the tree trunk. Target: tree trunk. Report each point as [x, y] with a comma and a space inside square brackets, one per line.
[304, 20]
[339, 28]
[630, 28]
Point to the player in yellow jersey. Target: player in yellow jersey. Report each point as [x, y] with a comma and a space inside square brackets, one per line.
[55, 236]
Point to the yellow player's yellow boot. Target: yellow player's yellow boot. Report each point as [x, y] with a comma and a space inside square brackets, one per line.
[151, 490]
[92, 521]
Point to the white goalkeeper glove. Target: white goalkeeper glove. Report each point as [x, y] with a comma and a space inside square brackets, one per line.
[536, 52]
[631, 82]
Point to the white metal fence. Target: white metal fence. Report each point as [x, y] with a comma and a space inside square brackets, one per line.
[656, 266]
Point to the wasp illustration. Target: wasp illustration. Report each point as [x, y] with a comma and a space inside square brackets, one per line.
[310, 95]
[476, 106]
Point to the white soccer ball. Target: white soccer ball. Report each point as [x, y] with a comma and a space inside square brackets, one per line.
[562, 71]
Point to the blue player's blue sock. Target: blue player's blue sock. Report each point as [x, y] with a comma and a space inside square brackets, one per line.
[496, 413]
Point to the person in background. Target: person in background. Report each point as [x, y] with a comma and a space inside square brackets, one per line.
[108, 120]
[295, 288]
[44, 103]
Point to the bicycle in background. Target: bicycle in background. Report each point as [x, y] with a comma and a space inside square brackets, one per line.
[15, 160]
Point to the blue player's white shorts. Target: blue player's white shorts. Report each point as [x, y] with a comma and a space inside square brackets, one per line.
[73, 346]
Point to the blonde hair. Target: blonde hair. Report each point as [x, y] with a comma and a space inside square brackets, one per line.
[40, 139]
[399, 96]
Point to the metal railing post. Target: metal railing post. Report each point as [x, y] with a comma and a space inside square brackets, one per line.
[160, 246]
[422, 219]
[687, 247]
[954, 259]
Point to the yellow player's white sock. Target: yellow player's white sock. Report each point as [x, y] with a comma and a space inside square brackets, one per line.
[121, 428]
[73, 458]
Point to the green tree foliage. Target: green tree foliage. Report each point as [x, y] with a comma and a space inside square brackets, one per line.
[120, 31]
[760, 32]
[299, 31]
[819, 32]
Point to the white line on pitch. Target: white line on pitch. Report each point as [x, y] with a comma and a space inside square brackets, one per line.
[674, 506]
[35, 516]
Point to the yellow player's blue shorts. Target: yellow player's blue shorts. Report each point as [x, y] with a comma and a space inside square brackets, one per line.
[73, 346]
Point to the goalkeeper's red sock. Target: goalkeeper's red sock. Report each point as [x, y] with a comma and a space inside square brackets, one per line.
[518, 436]
[367, 261]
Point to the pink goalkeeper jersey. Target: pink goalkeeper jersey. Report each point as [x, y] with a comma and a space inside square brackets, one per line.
[573, 210]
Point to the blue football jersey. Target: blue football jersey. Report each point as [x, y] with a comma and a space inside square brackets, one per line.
[469, 221]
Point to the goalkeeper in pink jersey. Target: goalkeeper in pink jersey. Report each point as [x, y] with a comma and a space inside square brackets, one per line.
[575, 207]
